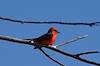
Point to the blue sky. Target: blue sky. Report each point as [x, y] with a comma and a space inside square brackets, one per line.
[13, 54]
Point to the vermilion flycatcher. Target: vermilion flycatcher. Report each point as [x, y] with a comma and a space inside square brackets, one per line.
[47, 39]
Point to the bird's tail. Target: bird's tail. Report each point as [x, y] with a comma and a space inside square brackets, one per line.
[32, 41]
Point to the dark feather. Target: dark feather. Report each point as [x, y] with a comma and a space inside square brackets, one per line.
[46, 36]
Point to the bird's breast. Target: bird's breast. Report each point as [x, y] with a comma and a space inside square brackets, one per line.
[53, 39]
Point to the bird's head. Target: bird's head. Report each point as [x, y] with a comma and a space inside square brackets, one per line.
[53, 30]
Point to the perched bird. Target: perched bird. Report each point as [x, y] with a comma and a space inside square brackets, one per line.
[47, 39]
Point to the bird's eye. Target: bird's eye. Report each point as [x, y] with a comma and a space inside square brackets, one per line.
[56, 31]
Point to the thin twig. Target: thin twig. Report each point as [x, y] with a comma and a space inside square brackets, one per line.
[50, 22]
[50, 57]
[85, 53]
[70, 41]
[16, 40]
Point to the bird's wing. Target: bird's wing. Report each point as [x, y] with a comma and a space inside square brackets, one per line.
[46, 36]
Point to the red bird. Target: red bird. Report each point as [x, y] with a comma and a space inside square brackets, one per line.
[47, 39]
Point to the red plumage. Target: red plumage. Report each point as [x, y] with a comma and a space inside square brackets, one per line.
[47, 39]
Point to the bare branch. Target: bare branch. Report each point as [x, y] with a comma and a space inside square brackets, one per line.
[70, 41]
[50, 57]
[50, 22]
[12, 39]
[73, 56]
[85, 53]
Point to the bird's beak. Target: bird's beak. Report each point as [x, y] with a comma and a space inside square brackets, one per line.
[58, 32]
